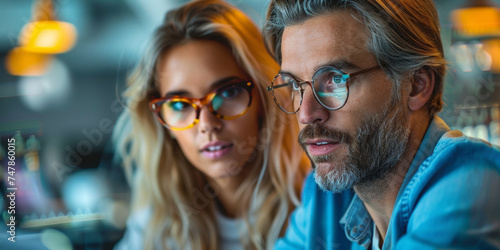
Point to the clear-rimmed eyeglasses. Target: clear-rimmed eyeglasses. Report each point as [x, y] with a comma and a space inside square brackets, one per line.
[330, 87]
[228, 102]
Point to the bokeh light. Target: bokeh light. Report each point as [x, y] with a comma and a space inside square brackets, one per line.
[49, 89]
[83, 191]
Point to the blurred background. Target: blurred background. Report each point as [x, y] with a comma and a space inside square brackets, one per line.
[64, 64]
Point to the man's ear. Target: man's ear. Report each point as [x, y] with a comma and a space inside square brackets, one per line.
[422, 86]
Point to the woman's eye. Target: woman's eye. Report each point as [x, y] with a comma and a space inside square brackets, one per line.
[231, 92]
[178, 106]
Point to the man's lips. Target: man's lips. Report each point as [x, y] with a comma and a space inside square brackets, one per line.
[321, 146]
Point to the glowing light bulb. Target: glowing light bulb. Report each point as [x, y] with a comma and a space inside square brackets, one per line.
[48, 37]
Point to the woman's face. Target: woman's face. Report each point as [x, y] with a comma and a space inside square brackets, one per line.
[218, 148]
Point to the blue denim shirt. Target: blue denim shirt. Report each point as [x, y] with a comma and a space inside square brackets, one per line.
[450, 198]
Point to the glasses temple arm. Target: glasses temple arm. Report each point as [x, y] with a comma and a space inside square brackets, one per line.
[364, 71]
[269, 88]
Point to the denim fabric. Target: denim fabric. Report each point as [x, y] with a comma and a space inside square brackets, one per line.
[449, 199]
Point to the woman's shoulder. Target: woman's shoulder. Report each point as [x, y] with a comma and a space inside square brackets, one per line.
[134, 234]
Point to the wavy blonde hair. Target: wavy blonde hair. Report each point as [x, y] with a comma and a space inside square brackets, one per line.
[165, 181]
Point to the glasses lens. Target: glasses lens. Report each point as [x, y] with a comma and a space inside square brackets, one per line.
[286, 93]
[231, 101]
[330, 87]
[177, 113]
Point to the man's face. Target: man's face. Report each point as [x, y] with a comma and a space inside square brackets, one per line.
[363, 140]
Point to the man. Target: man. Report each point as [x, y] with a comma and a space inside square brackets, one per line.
[365, 80]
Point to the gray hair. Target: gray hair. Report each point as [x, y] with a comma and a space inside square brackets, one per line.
[404, 35]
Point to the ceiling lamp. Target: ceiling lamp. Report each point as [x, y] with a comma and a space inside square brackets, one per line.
[24, 63]
[478, 18]
[39, 40]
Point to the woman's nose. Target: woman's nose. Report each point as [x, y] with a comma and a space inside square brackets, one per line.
[209, 122]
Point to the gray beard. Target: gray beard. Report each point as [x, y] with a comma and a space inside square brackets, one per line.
[374, 151]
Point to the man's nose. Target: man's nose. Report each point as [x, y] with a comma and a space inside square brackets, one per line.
[311, 110]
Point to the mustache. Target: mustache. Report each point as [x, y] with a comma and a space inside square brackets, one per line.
[312, 131]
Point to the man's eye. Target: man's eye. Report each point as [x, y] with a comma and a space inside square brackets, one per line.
[337, 79]
[294, 84]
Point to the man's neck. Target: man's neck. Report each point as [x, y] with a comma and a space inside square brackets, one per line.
[379, 196]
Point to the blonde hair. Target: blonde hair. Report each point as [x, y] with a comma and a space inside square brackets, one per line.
[164, 180]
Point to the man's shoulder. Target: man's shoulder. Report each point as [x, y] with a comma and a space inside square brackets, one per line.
[456, 152]
[459, 167]
[455, 149]
[453, 193]
[456, 137]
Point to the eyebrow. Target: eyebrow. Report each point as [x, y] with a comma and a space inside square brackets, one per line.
[339, 64]
[212, 87]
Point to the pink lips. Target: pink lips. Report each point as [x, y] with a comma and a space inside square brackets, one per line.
[321, 147]
[216, 149]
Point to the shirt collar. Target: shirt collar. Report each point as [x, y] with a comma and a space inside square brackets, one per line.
[357, 223]
[437, 128]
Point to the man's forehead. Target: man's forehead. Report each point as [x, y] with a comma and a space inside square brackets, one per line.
[335, 36]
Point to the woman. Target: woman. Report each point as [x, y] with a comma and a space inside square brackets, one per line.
[217, 163]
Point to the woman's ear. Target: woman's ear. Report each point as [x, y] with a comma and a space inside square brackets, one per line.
[422, 86]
